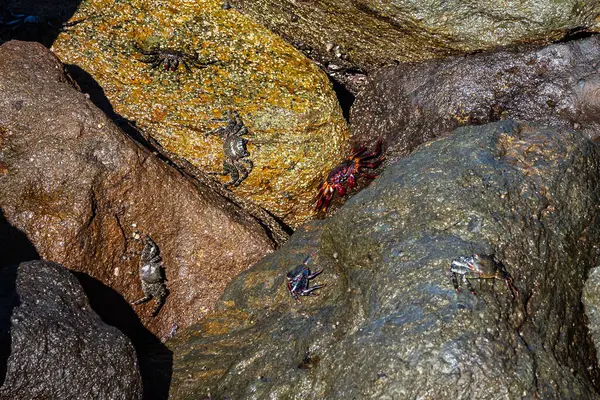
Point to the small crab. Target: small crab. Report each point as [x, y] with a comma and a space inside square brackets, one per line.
[298, 281]
[343, 177]
[234, 148]
[480, 266]
[152, 276]
[22, 20]
[170, 59]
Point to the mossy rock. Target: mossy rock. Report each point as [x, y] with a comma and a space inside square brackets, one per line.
[296, 129]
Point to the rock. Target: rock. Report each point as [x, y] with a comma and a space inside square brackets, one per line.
[591, 302]
[409, 104]
[58, 347]
[367, 34]
[389, 323]
[85, 195]
[296, 131]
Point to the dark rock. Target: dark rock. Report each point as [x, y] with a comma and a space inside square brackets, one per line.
[59, 347]
[591, 302]
[409, 104]
[85, 193]
[389, 323]
[355, 36]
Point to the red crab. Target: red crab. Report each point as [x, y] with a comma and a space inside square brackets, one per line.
[343, 177]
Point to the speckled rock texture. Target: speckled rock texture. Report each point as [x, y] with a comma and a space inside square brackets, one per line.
[389, 323]
[53, 345]
[85, 194]
[591, 302]
[296, 131]
[367, 34]
[557, 85]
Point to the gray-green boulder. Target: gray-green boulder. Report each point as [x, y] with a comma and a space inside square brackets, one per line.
[389, 323]
[365, 34]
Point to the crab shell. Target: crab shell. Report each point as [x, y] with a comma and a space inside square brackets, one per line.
[339, 180]
[343, 177]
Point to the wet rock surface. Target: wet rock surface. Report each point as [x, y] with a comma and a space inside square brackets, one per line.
[389, 323]
[591, 302]
[53, 345]
[85, 194]
[409, 104]
[366, 34]
[296, 131]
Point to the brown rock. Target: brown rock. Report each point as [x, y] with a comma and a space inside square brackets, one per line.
[84, 193]
[296, 131]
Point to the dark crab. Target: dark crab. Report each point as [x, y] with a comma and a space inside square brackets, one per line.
[22, 19]
[152, 276]
[170, 59]
[234, 147]
[298, 281]
[19, 21]
[480, 266]
[344, 176]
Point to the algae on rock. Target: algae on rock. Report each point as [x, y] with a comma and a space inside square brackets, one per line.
[296, 128]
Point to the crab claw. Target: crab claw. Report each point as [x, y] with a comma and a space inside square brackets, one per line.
[340, 190]
[351, 182]
[324, 197]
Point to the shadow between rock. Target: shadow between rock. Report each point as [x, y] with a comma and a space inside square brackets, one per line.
[344, 96]
[44, 23]
[87, 84]
[15, 248]
[154, 358]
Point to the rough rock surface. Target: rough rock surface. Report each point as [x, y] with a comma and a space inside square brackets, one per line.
[58, 347]
[557, 85]
[296, 129]
[389, 323]
[591, 302]
[85, 193]
[366, 34]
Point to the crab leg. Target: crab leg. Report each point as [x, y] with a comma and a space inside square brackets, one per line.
[142, 300]
[373, 164]
[357, 151]
[308, 258]
[294, 295]
[309, 291]
[158, 306]
[468, 283]
[324, 197]
[314, 274]
[455, 282]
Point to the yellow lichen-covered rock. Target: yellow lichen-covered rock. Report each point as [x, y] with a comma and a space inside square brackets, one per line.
[296, 131]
